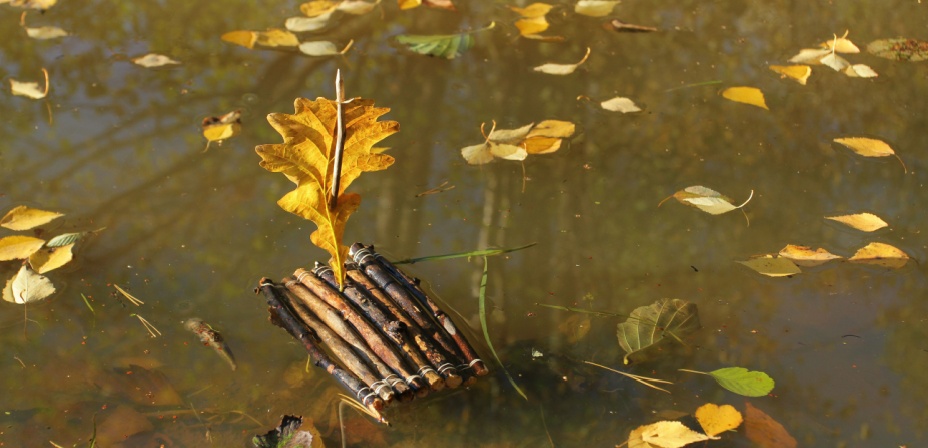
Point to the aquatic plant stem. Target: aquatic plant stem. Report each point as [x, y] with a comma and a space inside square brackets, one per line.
[482, 305]
[474, 253]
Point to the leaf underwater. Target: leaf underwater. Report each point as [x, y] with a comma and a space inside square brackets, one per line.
[764, 431]
[650, 327]
[306, 157]
[665, 434]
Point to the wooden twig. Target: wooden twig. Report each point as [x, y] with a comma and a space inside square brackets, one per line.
[339, 138]
[283, 317]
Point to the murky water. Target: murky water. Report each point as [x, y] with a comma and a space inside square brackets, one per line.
[118, 146]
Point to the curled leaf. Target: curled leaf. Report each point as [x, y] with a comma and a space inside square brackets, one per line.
[562, 69]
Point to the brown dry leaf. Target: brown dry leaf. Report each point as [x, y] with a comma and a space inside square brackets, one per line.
[867, 222]
[772, 266]
[118, 424]
[799, 73]
[870, 147]
[716, 419]
[805, 256]
[45, 260]
[666, 434]
[746, 95]
[25, 218]
[880, 254]
[307, 157]
[763, 430]
[19, 247]
[562, 69]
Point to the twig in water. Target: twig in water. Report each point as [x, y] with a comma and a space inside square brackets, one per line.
[640, 379]
[131, 298]
[148, 326]
[339, 138]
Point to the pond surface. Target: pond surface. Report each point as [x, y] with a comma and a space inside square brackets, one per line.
[119, 146]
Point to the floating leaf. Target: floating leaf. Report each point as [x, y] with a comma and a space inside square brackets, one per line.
[860, 71]
[899, 49]
[19, 247]
[810, 56]
[799, 73]
[323, 48]
[716, 419]
[305, 24]
[25, 218]
[440, 4]
[30, 89]
[447, 46]
[530, 26]
[533, 10]
[666, 434]
[357, 7]
[517, 144]
[276, 37]
[763, 430]
[841, 44]
[650, 327]
[880, 254]
[749, 383]
[707, 200]
[595, 8]
[869, 147]
[552, 128]
[622, 27]
[867, 222]
[746, 95]
[772, 266]
[541, 145]
[307, 156]
[67, 238]
[318, 7]
[288, 435]
[27, 286]
[151, 60]
[41, 5]
[45, 260]
[562, 69]
[244, 38]
[835, 62]
[805, 256]
[620, 104]
[217, 129]
[45, 32]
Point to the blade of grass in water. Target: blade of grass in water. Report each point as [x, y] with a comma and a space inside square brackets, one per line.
[698, 84]
[581, 310]
[486, 332]
[476, 253]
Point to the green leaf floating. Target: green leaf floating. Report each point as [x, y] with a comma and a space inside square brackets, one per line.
[749, 383]
[651, 327]
[447, 46]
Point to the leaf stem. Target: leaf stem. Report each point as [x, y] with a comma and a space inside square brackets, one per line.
[339, 138]
[698, 84]
[693, 371]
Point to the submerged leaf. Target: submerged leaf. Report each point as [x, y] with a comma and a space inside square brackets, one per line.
[25, 218]
[805, 256]
[870, 147]
[746, 95]
[562, 69]
[900, 49]
[19, 247]
[749, 383]
[650, 327]
[288, 435]
[764, 431]
[28, 286]
[880, 254]
[151, 60]
[447, 46]
[799, 73]
[620, 104]
[867, 222]
[665, 434]
[716, 419]
[772, 266]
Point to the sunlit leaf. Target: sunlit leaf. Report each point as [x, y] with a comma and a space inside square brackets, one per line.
[275, 37]
[650, 327]
[30, 89]
[622, 27]
[244, 38]
[33, 4]
[867, 222]
[841, 44]
[900, 49]
[67, 238]
[562, 69]
[357, 7]
[323, 48]
[810, 56]
[749, 383]
[772, 266]
[552, 128]
[666, 434]
[595, 8]
[707, 200]
[288, 435]
[835, 62]
[620, 104]
[805, 256]
[306, 24]
[799, 73]
[516, 144]
[151, 60]
[541, 145]
[27, 286]
[25, 218]
[880, 254]
[764, 431]
[860, 71]
[870, 147]
[746, 95]
[716, 419]
[508, 152]
[217, 129]
[533, 10]
[19, 247]
[510, 135]
[318, 7]
[531, 25]
[45, 32]
[45, 260]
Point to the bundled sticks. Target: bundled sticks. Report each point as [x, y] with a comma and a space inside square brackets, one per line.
[390, 339]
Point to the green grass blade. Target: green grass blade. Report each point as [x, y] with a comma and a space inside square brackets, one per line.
[476, 253]
[486, 332]
[87, 302]
[581, 310]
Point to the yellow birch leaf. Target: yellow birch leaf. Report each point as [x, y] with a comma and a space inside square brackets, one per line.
[25, 218]
[620, 104]
[666, 434]
[27, 286]
[51, 258]
[716, 419]
[880, 254]
[318, 7]
[799, 73]
[707, 200]
[595, 8]
[810, 56]
[152, 60]
[532, 25]
[562, 69]
[512, 136]
[244, 38]
[217, 129]
[304, 24]
[805, 256]
[307, 158]
[541, 145]
[477, 154]
[868, 222]
[507, 151]
[533, 10]
[409, 4]
[870, 147]
[860, 71]
[835, 62]
[45, 32]
[19, 247]
[552, 128]
[772, 266]
[841, 44]
[275, 37]
[746, 95]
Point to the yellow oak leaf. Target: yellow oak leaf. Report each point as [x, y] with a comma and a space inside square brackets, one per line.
[307, 155]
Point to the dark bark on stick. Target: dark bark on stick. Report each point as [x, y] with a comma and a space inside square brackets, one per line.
[412, 285]
[282, 316]
[336, 344]
[382, 348]
[394, 329]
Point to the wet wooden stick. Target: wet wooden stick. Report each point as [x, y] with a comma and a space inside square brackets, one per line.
[391, 327]
[339, 340]
[282, 316]
[412, 285]
[381, 347]
[430, 348]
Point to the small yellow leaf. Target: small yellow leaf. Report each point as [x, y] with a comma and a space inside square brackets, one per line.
[772, 266]
[276, 37]
[746, 95]
[881, 255]
[620, 104]
[46, 32]
[477, 154]
[841, 44]
[27, 286]
[716, 419]
[507, 151]
[357, 7]
[532, 25]
[553, 128]
[244, 38]
[835, 62]
[151, 60]
[25, 218]
[666, 434]
[799, 73]
[707, 200]
[51, 258]
[860, 71]
[810, 56]
[805, 256]
[409, 4]
[318, 7]
[869, 147]
[867, 222]
[513, 136]
[533, 10]
[595, 8]
[19, 247]
[221, 131]
[562, 69]
[541, 145]
[28, 89]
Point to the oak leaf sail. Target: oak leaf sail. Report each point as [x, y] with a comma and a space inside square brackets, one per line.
[307, 157]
